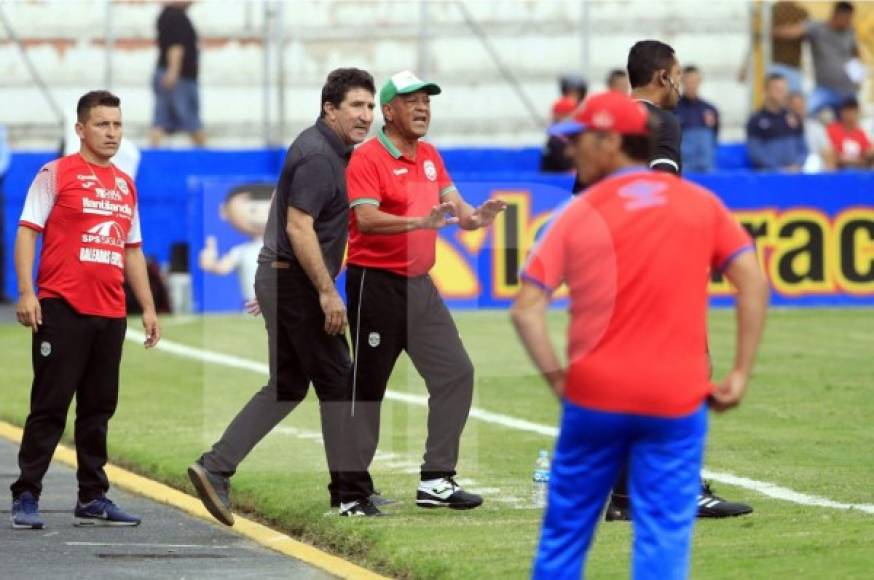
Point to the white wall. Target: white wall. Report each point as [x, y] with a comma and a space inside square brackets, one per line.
[538, 40]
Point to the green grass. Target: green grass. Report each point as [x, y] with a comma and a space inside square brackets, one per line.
[806, 424]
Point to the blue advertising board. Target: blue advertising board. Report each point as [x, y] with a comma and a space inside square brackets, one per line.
[814, 236]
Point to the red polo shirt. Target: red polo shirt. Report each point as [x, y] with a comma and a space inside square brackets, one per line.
[636, 251]
[88, 216]
[851, 144]
[379, 175]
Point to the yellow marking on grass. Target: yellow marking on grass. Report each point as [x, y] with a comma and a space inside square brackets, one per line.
[263, 535]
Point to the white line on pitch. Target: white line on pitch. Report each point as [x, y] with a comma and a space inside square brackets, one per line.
[766, 488]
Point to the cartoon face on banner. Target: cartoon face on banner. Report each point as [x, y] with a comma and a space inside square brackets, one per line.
[245, 208]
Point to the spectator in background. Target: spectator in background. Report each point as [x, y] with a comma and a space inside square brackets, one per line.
[554, 158]
[775, 135]
[617, 81]
[5, 158]
[573, 86]
[820, 153]
[848, 138]
[699, 121]
[836, 65]
[786, 52]
[177, 96]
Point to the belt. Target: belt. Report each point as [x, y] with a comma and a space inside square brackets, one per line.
[277, 265]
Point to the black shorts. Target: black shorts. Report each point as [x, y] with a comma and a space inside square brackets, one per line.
[300, 350]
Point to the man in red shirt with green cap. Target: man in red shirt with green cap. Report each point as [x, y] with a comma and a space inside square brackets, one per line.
[400, 195]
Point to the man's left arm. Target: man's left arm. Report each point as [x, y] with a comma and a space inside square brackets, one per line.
[470, 218]
[138, 277]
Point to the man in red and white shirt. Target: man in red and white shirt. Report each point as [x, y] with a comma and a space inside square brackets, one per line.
[636, 252]
[86, 211]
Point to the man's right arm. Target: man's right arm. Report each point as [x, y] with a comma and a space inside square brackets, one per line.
[28, 310]
[305, 244]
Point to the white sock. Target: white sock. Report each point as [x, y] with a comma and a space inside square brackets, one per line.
[347, 505]
[429, 484]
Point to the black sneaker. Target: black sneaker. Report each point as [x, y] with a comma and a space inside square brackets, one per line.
[713, 506]
[359, 508]
[449, 494]
[375, 498]
[618, 510]
[214, 490]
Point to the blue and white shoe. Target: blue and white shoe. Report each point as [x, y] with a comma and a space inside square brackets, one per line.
[25, 513]
[102, 512]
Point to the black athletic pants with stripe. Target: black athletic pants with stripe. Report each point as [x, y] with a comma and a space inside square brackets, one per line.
[73, 354]
[388, 314]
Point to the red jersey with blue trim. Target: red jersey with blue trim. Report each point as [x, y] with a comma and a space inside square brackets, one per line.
[636, 251]
[88, 216]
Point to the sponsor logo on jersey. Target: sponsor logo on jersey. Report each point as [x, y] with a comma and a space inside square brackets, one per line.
[104, 207]
[100, 256]
[400, 171]
[110, 194]
[373, 339]
[109, 233]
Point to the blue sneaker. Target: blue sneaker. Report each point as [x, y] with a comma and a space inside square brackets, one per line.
[102, 512]
[25, 513]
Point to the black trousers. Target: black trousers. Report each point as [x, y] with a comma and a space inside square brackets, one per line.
[389, 314]
[73, 354]
[300, 352]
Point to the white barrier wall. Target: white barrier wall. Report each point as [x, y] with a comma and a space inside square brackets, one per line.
[536, 40]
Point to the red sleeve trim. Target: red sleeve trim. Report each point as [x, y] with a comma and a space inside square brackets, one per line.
[134, 245]
[31, 226]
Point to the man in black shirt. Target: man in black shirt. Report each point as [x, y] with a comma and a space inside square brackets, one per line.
[654, 74]
[304, 315]
[177, 96]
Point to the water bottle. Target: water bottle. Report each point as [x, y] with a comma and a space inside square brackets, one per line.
[541, 479]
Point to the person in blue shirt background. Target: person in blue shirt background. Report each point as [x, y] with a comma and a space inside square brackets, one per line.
[775, 135]
[699, 120]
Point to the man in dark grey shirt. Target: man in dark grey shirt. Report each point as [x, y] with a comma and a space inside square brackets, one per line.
[294, 285]
[836, 68]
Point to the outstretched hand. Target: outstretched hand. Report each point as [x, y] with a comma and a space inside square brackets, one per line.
[441, 215]
[487, 212]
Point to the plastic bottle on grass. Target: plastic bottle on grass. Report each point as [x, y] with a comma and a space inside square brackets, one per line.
[540, 479]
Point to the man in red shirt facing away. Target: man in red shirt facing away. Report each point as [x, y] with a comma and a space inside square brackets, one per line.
[400, 195]
[636, 252]
[849, 139]
[86, 210]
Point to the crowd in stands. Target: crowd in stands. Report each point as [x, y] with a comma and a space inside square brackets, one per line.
[792, 131]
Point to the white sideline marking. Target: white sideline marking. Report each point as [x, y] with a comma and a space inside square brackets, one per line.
[763, 487]
[398, 462]
[784, 493]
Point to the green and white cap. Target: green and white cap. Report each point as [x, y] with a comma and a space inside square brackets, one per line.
[404, 83]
